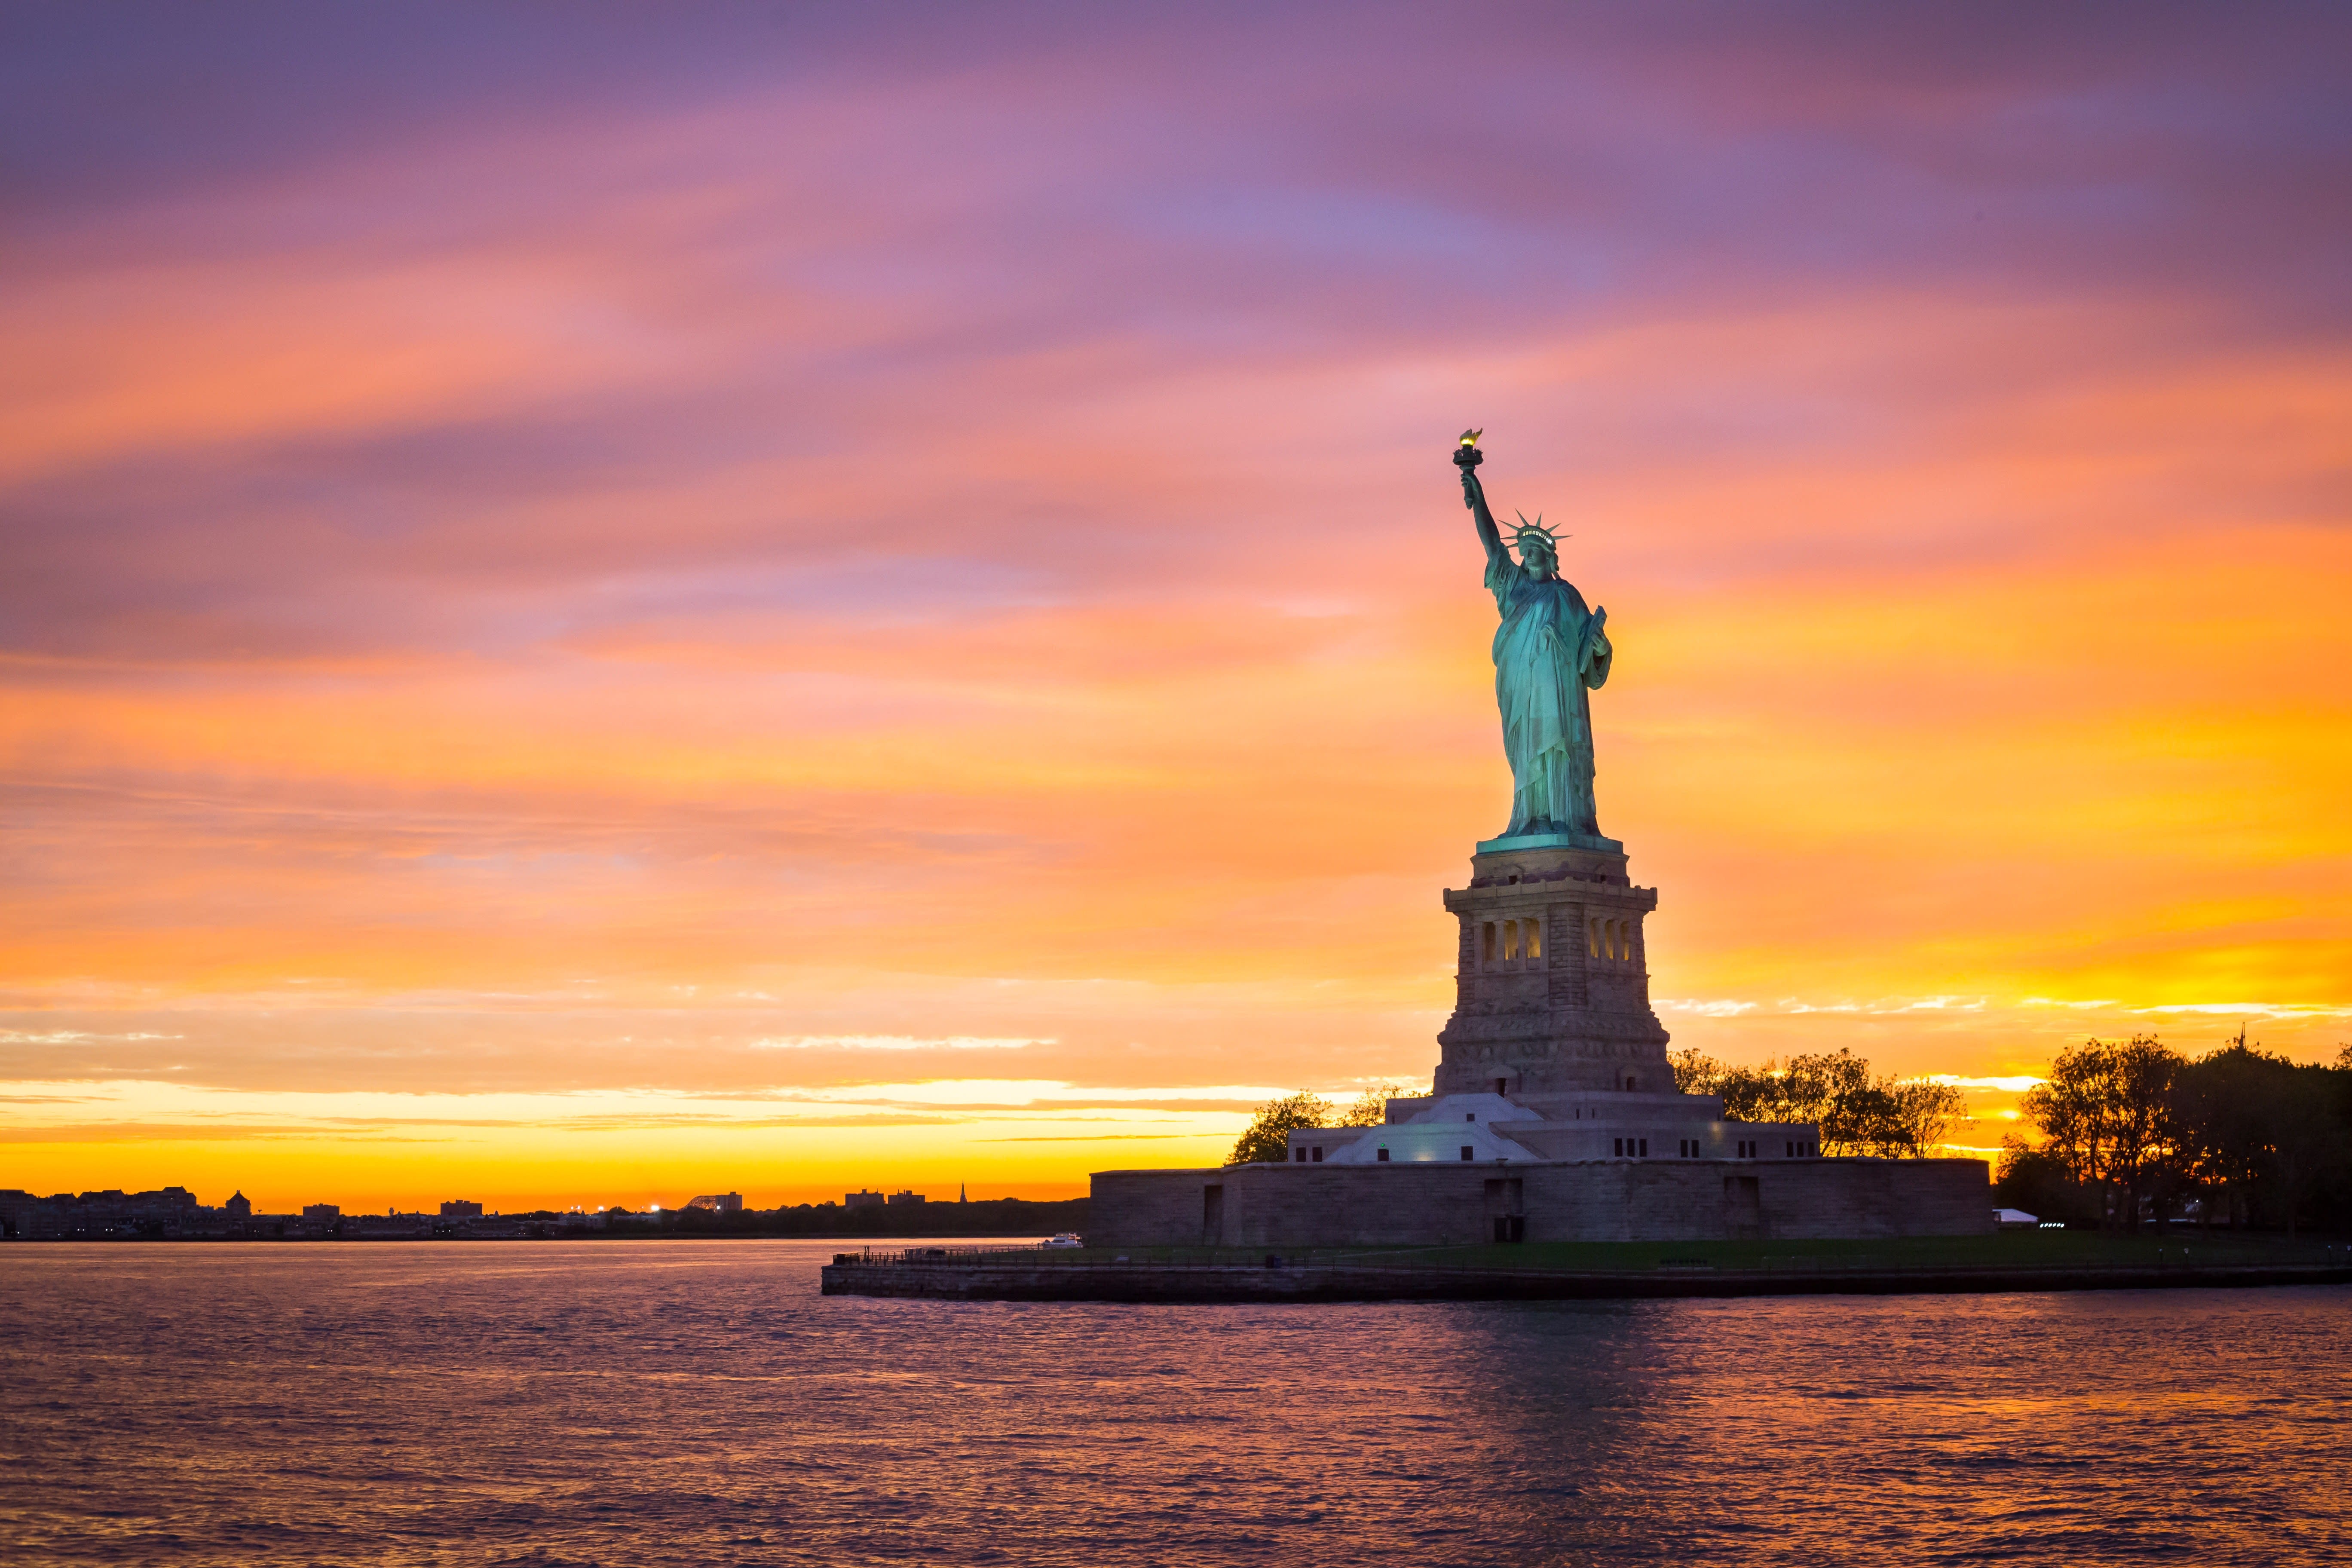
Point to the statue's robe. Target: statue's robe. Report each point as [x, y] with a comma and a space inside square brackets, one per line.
[1548, 651]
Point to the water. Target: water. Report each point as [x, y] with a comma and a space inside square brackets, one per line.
[655, 1403]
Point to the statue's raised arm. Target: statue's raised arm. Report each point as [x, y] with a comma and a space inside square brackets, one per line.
[1474, 496]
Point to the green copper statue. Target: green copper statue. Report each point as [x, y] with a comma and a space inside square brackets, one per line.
[1548, 651]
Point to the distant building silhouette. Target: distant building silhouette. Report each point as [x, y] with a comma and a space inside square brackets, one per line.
[720, 1203]
[110, 1212]
[863, 1200]
[461, 1208]
[906, 1199]
[238, 1207]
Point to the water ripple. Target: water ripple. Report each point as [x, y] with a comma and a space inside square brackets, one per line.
[691, 1402]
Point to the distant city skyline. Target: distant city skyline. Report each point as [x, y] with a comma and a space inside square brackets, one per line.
[174, 1212]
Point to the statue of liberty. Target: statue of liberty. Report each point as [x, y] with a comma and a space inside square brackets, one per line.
[1549, 650]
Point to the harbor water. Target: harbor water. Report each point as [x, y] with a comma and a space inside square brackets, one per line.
[677, 1402]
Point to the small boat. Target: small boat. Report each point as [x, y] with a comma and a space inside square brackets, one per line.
[1067, 1238]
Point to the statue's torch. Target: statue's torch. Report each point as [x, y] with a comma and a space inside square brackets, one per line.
[1467, 453]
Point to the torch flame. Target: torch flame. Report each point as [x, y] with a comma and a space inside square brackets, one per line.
[1470, 437]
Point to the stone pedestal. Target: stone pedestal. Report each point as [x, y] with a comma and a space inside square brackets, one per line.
[1551, 989]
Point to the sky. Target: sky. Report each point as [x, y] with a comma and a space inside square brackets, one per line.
[603, 603]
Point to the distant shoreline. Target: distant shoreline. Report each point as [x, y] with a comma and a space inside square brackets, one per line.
[115, 1218]
[649, 1234]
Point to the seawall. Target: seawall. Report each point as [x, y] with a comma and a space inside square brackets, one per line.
[978, 1279]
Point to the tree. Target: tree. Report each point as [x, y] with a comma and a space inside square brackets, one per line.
[1919, 1113]
[2035, 1180]
[2065, 1107]
[1753, 1094]
[1836, 1093]
[1267, 1138]
[1857, 1114]
[2216, 1112]
[2307, 1138]
[2106, 1113]
[1862, 1114]
[1371, 1108]
[2140, 1129]
[2268, 1136]
[1695, 1071]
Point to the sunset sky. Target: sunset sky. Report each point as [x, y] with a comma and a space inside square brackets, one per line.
[606, 602]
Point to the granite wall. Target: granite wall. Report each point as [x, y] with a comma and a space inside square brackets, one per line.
[1614, 1200]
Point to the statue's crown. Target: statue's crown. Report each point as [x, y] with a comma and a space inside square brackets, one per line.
[1535, 530]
